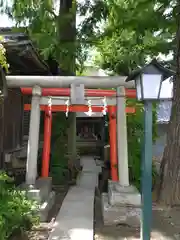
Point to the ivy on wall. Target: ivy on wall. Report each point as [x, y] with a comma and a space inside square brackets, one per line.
[3, 60]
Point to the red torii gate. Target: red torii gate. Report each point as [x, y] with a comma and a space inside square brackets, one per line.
[130, 93]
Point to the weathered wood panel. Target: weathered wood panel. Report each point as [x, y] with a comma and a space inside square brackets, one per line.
[27, 99]
[11, 120]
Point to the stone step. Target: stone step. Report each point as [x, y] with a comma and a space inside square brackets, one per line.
[45, 187]
[46, 207]
[118, 195]
[113, 215]
[40, 192]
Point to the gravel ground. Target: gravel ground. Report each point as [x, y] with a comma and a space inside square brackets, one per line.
[166, 226]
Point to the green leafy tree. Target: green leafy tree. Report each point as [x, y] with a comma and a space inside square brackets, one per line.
[52, 24]
[134, 31]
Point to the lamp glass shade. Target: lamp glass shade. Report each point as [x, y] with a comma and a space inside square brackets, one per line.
[150, 85]
[166, 89]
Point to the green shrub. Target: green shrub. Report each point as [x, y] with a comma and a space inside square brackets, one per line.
[135, 131]
[17, 213]
[59, 163]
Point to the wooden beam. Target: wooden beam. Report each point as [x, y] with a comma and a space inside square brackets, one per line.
[75, 108]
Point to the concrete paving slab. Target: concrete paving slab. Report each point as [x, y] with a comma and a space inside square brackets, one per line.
[88, 164]
[75, 220]
[88, 180]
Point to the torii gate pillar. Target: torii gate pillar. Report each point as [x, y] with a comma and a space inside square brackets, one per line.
[124, 200]
[122, 148]
[33, 143]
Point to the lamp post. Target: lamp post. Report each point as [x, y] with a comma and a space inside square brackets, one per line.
[149, 85]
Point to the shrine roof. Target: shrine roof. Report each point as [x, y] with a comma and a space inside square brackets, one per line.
[22, 56]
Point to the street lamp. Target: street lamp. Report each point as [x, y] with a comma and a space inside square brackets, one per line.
[149, 81]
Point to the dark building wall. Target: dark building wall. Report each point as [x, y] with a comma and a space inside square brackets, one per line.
[11, 119]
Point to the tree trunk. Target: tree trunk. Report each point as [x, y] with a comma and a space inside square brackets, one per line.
[169, 189]
[67, 36]
[67, 56]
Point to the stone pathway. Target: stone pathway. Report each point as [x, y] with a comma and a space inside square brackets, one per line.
[75, 220]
